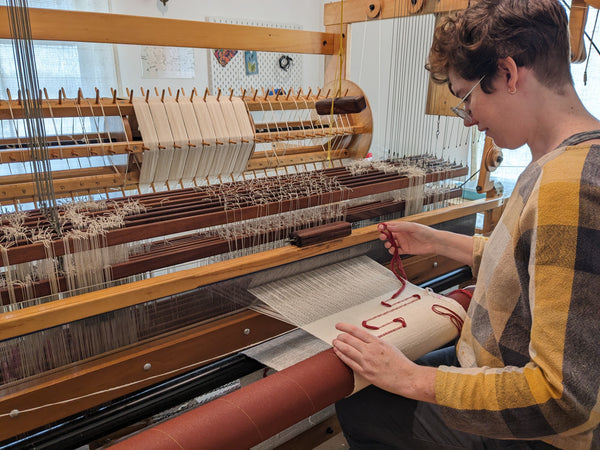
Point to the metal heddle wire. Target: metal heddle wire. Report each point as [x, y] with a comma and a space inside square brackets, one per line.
[24, 55]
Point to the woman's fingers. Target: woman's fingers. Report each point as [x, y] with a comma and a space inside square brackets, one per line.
[347, 349]
[355, 366]
[356, 332]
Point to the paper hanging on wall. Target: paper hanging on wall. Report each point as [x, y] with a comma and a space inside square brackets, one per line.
[224, 55]
[251, 63]
[167, 62]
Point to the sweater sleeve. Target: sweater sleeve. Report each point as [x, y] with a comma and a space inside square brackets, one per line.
[478, 246]
[552, 391]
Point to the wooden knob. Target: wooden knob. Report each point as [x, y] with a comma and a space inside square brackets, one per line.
[415, 6]
[373, 8]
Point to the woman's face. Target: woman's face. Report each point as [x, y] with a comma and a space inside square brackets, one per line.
[494, 114]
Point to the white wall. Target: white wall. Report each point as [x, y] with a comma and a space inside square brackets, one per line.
[306, 13]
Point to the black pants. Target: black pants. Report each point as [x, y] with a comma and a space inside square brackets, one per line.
[375, 419]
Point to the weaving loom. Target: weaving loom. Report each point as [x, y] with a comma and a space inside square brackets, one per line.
[138, 270]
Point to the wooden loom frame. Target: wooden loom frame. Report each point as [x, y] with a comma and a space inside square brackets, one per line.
[127, 366]
[224, 335]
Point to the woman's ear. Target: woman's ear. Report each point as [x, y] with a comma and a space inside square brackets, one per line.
[507, 69]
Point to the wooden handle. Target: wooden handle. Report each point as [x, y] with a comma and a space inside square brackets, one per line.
[341, 105]
[321, 233]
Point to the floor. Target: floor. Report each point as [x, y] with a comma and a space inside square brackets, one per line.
[335, 443]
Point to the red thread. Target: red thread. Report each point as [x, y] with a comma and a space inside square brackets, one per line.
[389, 304]
[396, 262]
[462, 291]
[456, 320]
[365, 323]
[400, 304]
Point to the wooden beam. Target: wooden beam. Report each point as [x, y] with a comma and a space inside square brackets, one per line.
[101, 379]
[440, 100]
[332, 62]
[361, 10]
[71, 151]
[266, 160]
[97, 179]
[55, 25]
[86, 107]
[577, 20]
[593, 3]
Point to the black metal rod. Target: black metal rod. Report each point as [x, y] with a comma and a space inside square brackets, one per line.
[449, 279]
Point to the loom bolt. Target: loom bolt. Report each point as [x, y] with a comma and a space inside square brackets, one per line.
[147, 366]
[14, 413]
[247, 331]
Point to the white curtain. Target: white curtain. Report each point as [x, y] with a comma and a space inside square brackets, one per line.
[64, 65]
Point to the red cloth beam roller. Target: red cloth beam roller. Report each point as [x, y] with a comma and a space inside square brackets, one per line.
[250, 415]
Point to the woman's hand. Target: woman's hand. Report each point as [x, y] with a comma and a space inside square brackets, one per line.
[416, 239]
[410, 238]
[383, 365]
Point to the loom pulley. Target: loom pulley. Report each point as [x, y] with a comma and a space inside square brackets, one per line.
[493, 158]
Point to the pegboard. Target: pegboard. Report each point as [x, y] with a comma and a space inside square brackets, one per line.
[269, 76]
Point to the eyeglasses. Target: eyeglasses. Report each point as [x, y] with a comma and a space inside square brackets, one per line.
[461, 111]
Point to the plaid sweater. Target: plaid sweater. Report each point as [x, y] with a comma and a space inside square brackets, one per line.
[529, 350]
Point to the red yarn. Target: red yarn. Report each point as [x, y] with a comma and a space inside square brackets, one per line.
[467, 292]
[400, 320]
[456, 320]
[396, 262]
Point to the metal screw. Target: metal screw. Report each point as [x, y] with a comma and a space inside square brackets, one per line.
[147, 366]
[435, 264]
[247, 331]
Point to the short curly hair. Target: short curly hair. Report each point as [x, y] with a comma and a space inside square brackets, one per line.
[534, 33]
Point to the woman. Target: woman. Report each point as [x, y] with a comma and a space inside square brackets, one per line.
[526, 370]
